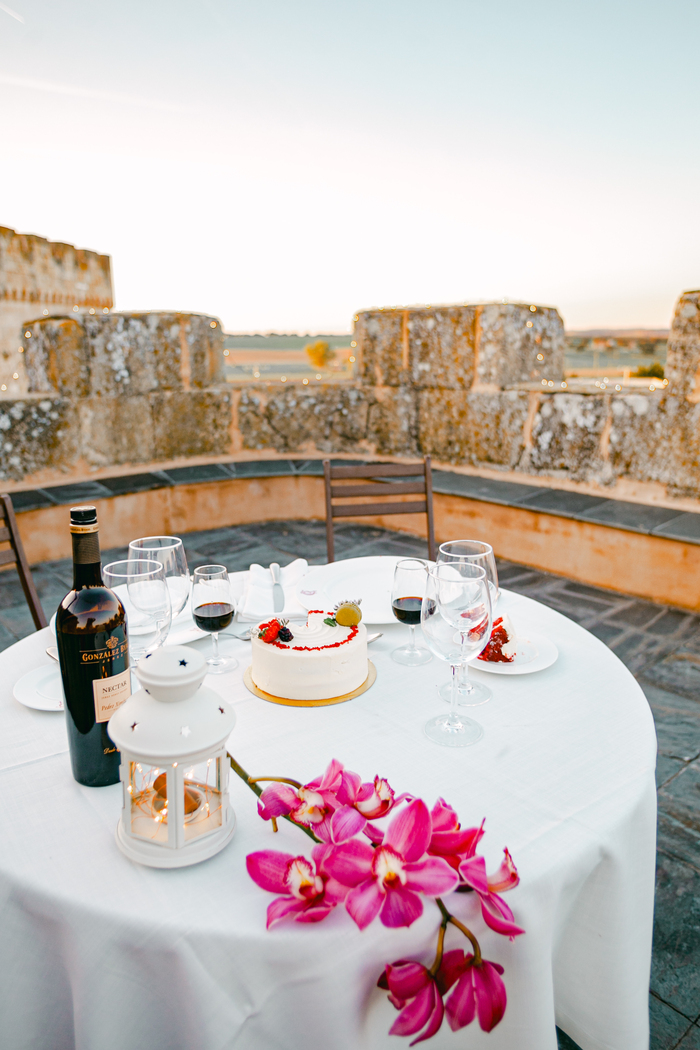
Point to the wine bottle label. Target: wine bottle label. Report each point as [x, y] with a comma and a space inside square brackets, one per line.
[110, 694]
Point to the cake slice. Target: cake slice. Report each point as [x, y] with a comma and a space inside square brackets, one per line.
[501, 647]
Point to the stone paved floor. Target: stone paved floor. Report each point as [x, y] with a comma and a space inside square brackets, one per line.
[661, 647]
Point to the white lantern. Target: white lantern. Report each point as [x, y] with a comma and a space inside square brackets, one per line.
[172, 737]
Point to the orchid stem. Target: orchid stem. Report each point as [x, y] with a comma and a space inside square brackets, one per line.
[240, 771]
[252, 784]
[440, 947]
[448, 917]
[278, 780]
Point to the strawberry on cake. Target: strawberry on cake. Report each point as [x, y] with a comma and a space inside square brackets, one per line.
[501, 647]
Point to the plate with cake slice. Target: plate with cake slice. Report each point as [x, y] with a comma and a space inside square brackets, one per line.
[510, 653]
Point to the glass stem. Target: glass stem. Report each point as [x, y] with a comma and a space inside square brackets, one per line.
[215, 646]
[412, 629]
[453, 716]
[465, 685]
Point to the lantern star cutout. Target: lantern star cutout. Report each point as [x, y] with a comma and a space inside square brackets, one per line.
[186, 731]
[133, 726]
[183, 663]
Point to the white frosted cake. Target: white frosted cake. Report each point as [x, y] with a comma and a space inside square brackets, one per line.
[321, 661]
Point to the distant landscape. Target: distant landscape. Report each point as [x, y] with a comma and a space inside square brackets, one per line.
[280, 356]
[281, 340]
[274, 355]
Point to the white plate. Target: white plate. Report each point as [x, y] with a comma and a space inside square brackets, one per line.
[41, 689]
[534, 654]
[367, 578]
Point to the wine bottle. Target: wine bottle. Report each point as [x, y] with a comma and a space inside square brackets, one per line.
[94, 656]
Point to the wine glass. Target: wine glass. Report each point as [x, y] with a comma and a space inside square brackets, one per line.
[170, 552]
[456, 621]
[407, 592]
[475, 552]
[142, 587]
[212, 610]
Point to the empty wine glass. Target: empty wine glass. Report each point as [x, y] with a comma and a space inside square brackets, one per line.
[170, 552]
[475, 552]
[212, 609]
[144, 592]
[407, 592]
[456, 621]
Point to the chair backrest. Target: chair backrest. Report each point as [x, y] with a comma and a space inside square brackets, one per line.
[382, 505]
[14, 555]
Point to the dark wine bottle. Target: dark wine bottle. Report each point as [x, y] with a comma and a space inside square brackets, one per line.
[94, 657]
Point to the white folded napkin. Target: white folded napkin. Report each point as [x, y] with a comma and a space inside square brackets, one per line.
[256, 603]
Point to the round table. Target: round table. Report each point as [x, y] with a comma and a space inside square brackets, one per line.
[98, 953]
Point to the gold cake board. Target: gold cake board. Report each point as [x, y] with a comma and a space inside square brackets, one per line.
[369, 681]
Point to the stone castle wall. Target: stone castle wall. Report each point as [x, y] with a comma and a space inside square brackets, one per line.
[40, 278]
[483, 387]
[117, 388]
[477, 386]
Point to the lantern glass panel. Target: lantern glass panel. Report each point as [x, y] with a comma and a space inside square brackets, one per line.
[203, 809]
[149, 802]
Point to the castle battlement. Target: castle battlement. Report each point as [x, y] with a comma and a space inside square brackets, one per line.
[39, 278]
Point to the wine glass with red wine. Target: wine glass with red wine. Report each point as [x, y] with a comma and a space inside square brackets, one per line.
[407, 591]
[212, 611]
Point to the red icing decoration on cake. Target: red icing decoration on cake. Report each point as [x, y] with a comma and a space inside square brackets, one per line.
[493, 651]
[317, 648]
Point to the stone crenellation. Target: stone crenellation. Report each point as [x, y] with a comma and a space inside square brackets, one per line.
[117, 388]
[483, 387]
[41, 278]
[478, 386]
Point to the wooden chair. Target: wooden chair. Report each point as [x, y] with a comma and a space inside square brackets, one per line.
[16, 556]
[382, 506]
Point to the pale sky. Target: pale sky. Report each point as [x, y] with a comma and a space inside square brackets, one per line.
[284, 163]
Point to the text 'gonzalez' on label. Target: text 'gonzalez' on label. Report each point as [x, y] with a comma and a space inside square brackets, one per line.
[104, 654]
[110, 694]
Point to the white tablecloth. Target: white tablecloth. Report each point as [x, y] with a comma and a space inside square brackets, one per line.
[98, 953]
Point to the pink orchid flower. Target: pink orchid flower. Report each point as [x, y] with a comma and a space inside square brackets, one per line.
[372, 800]
[416, 993]
[311, 805]
[494, 910]
[479, 991]
[449, 839]
[506, 878]
[386, 881]
[308, 892]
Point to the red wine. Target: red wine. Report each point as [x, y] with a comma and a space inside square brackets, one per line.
[407, 610]
[213, 616]
[94, 657]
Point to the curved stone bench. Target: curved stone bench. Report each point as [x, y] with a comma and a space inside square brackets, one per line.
[647, 550]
